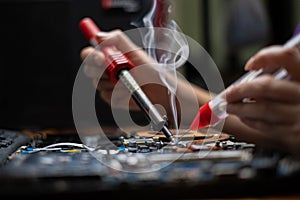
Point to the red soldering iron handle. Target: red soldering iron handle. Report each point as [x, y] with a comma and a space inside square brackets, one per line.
[89, 30]
[115, 60]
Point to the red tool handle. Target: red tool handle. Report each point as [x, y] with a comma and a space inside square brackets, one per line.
[115, 60]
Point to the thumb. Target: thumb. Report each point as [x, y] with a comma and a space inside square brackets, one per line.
[277, 56]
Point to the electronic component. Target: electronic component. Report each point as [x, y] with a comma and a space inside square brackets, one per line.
[192, 167]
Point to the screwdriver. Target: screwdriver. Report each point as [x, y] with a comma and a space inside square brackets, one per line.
[118, 69]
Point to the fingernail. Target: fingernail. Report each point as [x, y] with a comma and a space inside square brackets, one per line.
[102, 34]
[249, 64]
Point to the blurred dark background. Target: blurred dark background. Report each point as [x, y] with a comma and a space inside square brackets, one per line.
[41, 43]
[234, 30]
[40, 57]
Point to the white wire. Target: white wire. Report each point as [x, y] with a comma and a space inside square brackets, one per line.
[65, 144]
[52, 147]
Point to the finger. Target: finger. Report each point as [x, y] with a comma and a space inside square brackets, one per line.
[120, 100]
[106, 96]
[91, 71]
[248, 134]
[96, 57]
[103, 84]
[93, 63]
[85, 52]
[118, 39]
[95, 72]
[278, 136]
[267, 112]
[256, 124]
[276, 131]
[277, 56]
[121, 41]
[264, 87]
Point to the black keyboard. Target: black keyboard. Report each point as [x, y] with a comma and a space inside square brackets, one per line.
[10, 141]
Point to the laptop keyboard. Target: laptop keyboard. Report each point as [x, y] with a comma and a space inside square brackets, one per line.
[10, 141]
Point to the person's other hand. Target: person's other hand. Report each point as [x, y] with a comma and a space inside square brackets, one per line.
[275, 105]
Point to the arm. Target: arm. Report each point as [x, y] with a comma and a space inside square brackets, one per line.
[237, 123]
[156, 92]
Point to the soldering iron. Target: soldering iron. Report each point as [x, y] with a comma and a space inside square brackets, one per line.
[118, 69]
